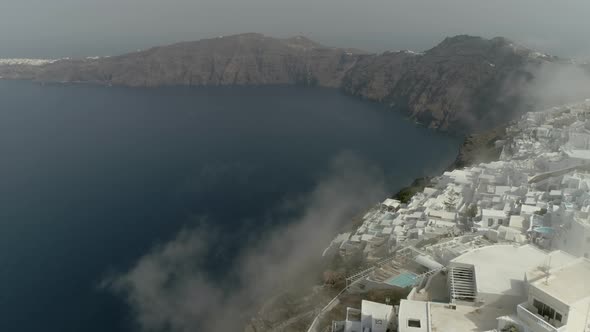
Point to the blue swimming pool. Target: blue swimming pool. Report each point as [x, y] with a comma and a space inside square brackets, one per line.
[404, 280]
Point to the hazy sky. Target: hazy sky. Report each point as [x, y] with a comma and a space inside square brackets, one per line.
[50, 28]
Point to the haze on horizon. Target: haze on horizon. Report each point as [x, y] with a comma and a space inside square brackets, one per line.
[59, 28]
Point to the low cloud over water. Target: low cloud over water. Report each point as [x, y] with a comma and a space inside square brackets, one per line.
[168, 288]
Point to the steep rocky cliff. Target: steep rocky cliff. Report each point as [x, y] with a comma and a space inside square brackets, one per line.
[246, 59]
[464, 84]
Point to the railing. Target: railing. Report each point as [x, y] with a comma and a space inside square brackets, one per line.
[314, 324]
[365, 273]
[535, 320]
[419, 278]
[359, 275]
[351, 281]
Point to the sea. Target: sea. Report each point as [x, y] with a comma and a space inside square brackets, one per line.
[93, 177]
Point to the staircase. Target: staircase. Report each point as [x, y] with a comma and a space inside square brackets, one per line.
[462, 283]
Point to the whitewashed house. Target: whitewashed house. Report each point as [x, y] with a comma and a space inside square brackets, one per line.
[493, 218]
[373, 317]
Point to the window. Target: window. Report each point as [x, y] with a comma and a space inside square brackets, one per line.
[414, 323]
[549, 312]
[490, 221]
[546, 311]
[500, 221]
[558, 317]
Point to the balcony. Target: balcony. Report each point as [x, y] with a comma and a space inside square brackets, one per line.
[536, 322]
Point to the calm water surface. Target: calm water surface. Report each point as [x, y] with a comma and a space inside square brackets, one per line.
[92, 177]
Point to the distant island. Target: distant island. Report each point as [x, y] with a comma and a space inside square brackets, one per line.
[458, 86]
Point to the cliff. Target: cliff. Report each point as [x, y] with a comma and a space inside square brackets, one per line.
[464, 84]
[460, 84]
[246, 59]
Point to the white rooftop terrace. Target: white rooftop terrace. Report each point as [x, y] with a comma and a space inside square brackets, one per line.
[529, 209]
[578, 154]
[442, 317]
[568, 283]
[390, 202]
[493, 213]
[460, 176]
[375, 316]
[413, 316]
[464, 318]
[516, 222]
[500, 269]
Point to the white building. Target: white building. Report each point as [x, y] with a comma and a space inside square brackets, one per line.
[483, 284]
[391, 204]
[373, 317]
[579, 140]
[574, 237]
[413, 316]
[539, 193]
[517, 222]
[493, 218]
[558, 300]
[528, 210]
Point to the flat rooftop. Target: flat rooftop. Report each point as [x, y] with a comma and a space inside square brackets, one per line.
[465, 318]
[500, 269]
[493, 213]
[579, 154]
[376, 310]
[568, 283]
[413, 310]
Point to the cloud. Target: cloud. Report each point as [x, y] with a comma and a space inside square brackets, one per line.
[536, 86]
[169, 288]
[546, 85]
[165, 288]
[557, 84]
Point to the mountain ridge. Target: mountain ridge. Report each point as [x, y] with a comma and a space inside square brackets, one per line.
[459, 85]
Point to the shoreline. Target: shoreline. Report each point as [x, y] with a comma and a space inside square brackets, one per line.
[321, 295]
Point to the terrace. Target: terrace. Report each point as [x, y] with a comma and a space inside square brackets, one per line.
[536, 321]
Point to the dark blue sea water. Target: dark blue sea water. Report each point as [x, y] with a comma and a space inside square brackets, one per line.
[92, 177]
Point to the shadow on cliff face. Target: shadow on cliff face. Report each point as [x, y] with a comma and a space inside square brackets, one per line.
[168, 290]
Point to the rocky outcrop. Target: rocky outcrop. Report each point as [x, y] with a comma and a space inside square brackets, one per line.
[464, 84]
[483, 147]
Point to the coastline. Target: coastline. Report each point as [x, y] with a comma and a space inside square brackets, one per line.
[476, 148]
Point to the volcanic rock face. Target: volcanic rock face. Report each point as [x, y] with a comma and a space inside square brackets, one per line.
[247, 59]
[464, 84]
[460, 84]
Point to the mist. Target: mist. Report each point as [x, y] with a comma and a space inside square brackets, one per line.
[541, 86]
[168, 289]
[37, 28]
[556, 85]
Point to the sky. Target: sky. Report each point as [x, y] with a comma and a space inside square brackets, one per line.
[56, 28]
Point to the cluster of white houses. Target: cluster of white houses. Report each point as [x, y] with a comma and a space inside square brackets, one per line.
[509, 241]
